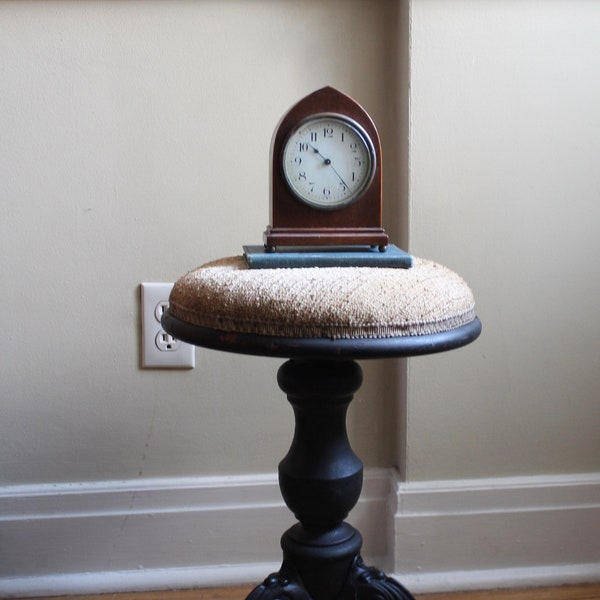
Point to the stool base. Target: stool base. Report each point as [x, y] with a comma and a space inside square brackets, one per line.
[340, 582]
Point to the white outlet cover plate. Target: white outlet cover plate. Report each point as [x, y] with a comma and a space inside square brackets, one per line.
[174, 353]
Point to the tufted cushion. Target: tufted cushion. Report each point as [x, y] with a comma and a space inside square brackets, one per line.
[336, 303]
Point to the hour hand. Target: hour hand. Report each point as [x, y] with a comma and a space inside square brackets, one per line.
[327, 161]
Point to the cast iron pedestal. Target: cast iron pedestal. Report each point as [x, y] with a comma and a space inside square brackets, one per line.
[320, 477]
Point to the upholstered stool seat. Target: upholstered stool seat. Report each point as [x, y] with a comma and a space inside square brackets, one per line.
[322, 320]
[335, 303]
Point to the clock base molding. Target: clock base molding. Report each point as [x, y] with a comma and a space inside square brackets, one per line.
[349, 236]
[86, 538]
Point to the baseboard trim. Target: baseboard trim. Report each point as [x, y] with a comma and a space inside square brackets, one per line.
[85, 538]
[491, 579]
[135, 581]
[503, 532]
[180, 533]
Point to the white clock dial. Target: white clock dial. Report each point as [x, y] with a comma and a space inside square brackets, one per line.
[328, 161]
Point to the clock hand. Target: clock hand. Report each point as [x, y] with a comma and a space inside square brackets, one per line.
[339, 176]
[316, 151]
[327, 161]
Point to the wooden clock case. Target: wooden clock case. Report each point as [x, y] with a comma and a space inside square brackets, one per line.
[293, 223]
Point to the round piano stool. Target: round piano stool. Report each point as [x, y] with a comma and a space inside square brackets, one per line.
[323, 320]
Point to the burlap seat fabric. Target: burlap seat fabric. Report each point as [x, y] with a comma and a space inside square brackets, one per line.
[336, 303]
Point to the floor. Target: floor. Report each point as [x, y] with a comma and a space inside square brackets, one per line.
[583, 592]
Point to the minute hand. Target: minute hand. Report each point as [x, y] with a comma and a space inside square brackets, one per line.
[327, 161]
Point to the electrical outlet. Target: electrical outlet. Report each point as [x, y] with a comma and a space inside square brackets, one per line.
[160, 350]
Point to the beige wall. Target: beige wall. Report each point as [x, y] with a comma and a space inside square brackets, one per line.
[505, 188]
[134, 143]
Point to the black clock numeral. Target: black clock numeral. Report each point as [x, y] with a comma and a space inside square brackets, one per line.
[353, 146]
[297, 160]
[313, 136]
[303, 147]
[302, 175]
[326, 192]
[328, 132]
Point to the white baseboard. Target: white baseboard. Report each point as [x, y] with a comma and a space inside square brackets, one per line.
[176, 533]
[490, 533]
[85, 538]
[106, 582]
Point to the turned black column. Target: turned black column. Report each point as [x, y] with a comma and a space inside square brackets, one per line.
[320, 480]
[320, 477]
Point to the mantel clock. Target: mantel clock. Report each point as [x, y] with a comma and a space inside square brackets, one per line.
[326, 175]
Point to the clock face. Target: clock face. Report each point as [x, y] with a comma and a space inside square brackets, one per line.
[328, 161]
